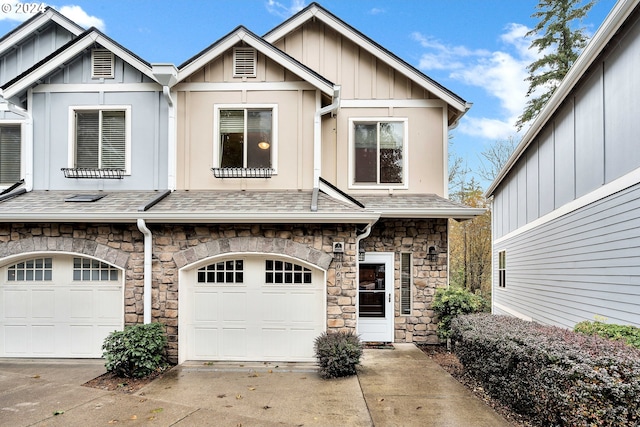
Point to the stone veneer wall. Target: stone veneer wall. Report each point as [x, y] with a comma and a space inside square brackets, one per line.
[414, 236]
[176, 246]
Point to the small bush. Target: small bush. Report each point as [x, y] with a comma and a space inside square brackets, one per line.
[338, 353]
[626, 333]
[137, 351]
[454, 301]
[555, 376]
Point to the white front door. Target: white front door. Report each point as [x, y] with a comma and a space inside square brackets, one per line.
[375, 297]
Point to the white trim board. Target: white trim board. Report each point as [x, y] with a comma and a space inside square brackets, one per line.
[622, 183]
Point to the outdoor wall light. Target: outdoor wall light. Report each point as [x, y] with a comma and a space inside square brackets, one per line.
[432, 254]
[338, 250]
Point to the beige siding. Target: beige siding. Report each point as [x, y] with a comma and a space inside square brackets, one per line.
[195, 148]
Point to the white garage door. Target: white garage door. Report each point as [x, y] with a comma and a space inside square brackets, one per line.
[252, 308]
[58, 306]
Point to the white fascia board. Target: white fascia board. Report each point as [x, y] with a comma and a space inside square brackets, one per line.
[461, 213]
[256, 217]
[269, 51]
[30, 28]
[189, 217]
[248, 86]
[369, 47]
[67, 55]
[598, 43]
[96, 87]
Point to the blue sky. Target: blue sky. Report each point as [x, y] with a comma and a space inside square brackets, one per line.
[475, 48]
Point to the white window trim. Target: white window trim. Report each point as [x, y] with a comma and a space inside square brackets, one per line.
[5, 185]
[72, 134]
[274, 130]
[405, 154]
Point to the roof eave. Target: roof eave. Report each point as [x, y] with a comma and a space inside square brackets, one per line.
[271, 52]
[606, 31]
[452, 213]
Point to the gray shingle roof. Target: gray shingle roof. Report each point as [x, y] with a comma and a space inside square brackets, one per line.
[225, 206]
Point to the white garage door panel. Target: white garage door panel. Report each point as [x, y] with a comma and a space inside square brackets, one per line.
[251, 320]
[58, 317]
[15, 303]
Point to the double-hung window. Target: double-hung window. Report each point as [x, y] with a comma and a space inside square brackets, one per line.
[246, 137]
[100, 138]
[379, 152]
[10, 153]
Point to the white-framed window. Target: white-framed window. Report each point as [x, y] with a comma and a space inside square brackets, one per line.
[222, 272]
[10, 153]
[378, 153]
[244, 62]
[31, 270]
[88, 269]
[246, 136]
[100, 137]
[502, 269]
[283, 272]
[102, 64]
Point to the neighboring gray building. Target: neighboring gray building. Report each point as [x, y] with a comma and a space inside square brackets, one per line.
[566, 217]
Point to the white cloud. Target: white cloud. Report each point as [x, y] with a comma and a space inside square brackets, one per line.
[500, 74]
[280, 9]
[80, 17]
[376, 11]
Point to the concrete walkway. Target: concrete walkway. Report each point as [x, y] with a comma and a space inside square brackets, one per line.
[400, 387]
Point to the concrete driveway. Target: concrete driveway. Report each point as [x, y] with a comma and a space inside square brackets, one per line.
[400, 387]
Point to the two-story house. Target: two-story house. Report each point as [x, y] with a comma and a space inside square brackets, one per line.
[284, 185]
[566, 206]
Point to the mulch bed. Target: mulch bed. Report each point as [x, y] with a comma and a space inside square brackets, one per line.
[450, 363]
[111, 382]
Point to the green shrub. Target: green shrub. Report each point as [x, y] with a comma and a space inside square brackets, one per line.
[454, 301]
[137, 351]
[554, 376]
[626, 333]
[338, 353]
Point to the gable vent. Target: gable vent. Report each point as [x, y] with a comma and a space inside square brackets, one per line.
[102, 63]
[244, 62]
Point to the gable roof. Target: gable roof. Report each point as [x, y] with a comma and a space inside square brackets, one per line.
[35, 23]
[609, 28]
[68, 52]
[315, 11]
[241, 34]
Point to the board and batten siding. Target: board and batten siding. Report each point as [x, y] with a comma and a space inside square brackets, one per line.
[32, 50]
[567, 212]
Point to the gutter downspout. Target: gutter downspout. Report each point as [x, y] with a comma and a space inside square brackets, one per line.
[317, 143]
[148, 244]
[360, 235]
[171, 129]
[148, 247]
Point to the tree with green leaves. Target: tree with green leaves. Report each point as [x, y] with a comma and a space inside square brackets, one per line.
[560, 41]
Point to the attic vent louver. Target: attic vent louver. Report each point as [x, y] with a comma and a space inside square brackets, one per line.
[244, 62]
[102, 64]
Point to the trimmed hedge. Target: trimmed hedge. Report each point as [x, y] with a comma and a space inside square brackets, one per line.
[628, 334]
[454, 301]
[554, 376]
[338, 353]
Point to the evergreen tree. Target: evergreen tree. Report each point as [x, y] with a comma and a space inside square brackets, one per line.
[560, 45]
